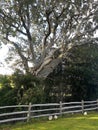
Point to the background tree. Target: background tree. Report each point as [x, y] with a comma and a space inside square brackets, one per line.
[7, 93]
[28, 88]
[84, 73]
[21, 89]
[75, 79]
[41, 33]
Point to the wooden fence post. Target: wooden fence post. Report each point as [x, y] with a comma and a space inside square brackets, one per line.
[82, 102]
[97, 104]
[29, 112]
[61, 108]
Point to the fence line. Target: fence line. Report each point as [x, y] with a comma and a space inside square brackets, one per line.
[26, 112]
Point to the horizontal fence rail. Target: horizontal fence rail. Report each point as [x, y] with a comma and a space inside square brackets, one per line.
[26, 112]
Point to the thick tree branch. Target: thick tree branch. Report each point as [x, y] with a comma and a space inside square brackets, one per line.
[28, 35]
[48, 12]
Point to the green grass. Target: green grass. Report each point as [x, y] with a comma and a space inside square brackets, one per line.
[75, 122]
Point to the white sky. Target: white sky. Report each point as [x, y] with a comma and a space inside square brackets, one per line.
[4, 69]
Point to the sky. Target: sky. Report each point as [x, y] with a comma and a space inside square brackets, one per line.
[4, 69]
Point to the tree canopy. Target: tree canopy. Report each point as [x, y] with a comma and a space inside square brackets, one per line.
[40, 33]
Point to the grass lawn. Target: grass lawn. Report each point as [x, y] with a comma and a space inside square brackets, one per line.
[75, 122]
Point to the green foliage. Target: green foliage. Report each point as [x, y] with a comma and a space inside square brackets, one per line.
[7, 93]
[29, 88]
[76, 78]
[21, 89]
[83, 73]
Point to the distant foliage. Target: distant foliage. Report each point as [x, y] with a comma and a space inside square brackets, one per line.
[28, 87]
[7, 93]
[76, 78]
[21, 89]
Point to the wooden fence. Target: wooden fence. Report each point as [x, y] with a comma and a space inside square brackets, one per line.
[26, 112]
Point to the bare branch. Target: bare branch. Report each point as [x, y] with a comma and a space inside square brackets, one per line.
[8, 18]
[28, 35]
[48, 12]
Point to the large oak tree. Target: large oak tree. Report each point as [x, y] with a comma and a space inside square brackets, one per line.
[40, 33]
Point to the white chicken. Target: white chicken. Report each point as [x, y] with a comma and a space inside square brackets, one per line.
[85, 113]
[55, 117]
[50, 118]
